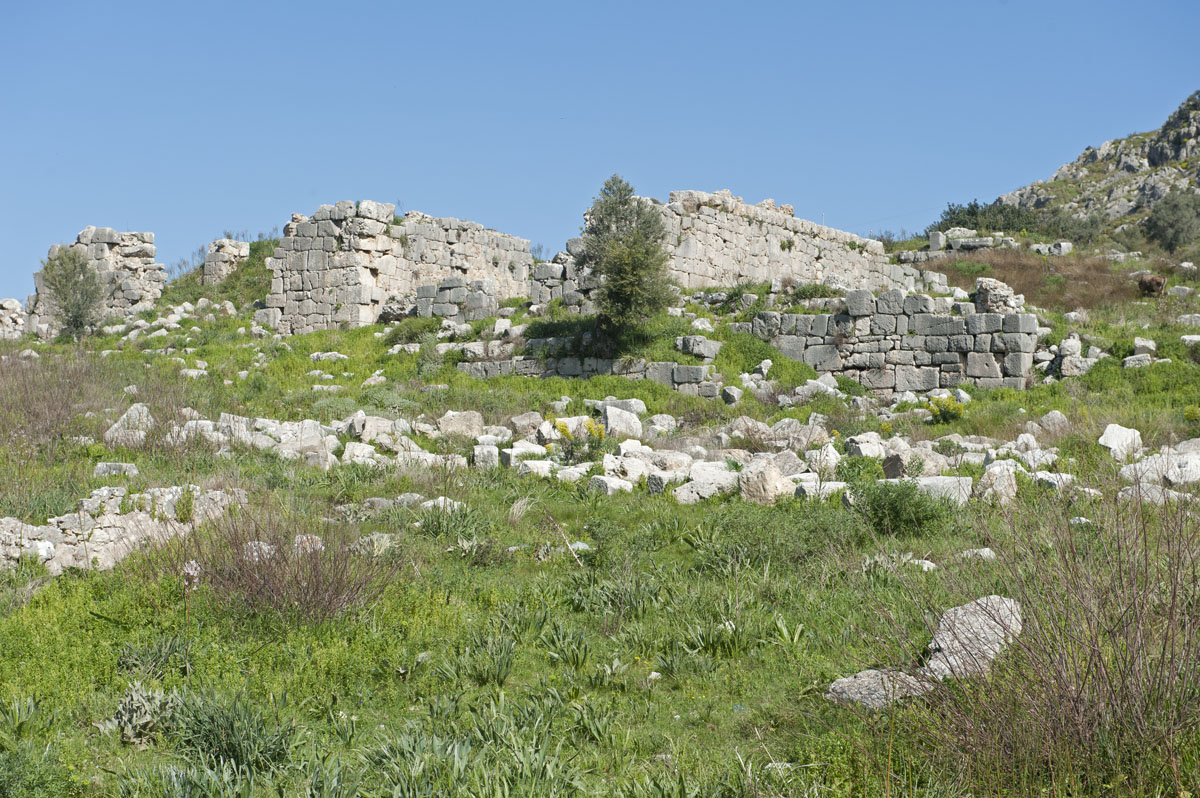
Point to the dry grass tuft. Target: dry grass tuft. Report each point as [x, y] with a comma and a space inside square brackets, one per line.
[1064, 283]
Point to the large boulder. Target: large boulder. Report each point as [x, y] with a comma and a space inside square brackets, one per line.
[131, 428]
[761, 482]
[1122, 442]
[968, 639]
[468, 423]
[621, 424]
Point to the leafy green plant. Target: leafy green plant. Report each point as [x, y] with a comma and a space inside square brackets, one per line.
[856, 468]
[1175, 220]
[900, 508]
[218, 729]
[143, 715]
[22, 719]
[945, 409]
[185, 506]
[74, 288]
[156, 657]
[623, 243]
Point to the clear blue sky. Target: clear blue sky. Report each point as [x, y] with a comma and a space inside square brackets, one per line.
[187, 119]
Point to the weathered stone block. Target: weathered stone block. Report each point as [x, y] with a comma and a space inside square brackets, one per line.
[917, 303]
[883, 325]
[1018, 364]
[890, 302]
[860, 303]
[982, 364]
[984, 323]
[1020, 323]
[823, 357]
[909, 378]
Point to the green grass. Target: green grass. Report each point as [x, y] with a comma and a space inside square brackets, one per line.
[540, 662]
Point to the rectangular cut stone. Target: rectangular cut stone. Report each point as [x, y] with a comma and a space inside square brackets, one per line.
[910, 378]
[929, 324]
[982, 364]
[883, 325]
[917, 303]
[1019, 342]
[823, 357]
[1020, 323]
[688, 374]
[890, 302]
[790, 346]
[1018, 364]
[984, 323]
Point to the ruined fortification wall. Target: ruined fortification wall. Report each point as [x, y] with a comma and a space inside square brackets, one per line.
[719, 240]
[132, 281]
[223, 257]
[899, 342]
[343, 264]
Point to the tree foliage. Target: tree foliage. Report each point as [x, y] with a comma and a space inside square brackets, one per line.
[623, 243]
[1175, 221]
[74, 288]
[1012, 218]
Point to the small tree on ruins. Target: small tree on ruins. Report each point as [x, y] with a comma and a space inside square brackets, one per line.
[623, 243]
[75, 289]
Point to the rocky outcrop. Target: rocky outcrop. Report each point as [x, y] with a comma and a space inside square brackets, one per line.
[1123, 176]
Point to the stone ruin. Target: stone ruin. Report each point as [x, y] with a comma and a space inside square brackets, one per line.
[348, 261]
[12, 319]
[223, 257]
[910, 342]
[719, 240]
[132, 280]
[343, 265]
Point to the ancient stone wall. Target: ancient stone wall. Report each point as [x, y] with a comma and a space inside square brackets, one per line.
[899, 342]
[223, 257]
[132, 281]
[695, 380]
[342, 265]
[719, 240]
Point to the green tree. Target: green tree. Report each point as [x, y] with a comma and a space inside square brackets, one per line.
[74, 288]
[1175, 221]
[623, 243]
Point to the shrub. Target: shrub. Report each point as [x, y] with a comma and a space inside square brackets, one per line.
[1175, 221]
[142, 716]
[944, 409]
[854, 468]
[156, 658]
[272, 560]
[74, 288]
[412, 330]
[899, 508]
[185, 506]
[623, 243]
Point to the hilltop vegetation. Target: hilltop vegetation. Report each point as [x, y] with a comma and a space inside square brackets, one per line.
[546, 639]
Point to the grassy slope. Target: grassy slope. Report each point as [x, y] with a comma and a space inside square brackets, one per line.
[723, 711]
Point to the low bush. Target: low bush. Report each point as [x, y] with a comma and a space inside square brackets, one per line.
[412, 330]
[1100, 692]
[269, 559]
[900, 509]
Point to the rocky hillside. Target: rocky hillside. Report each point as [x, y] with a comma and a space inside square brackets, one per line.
[1122, 179]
